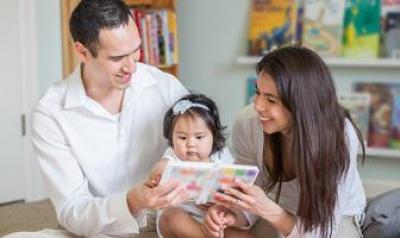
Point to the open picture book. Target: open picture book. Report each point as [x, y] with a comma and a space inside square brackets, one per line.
[203, 179]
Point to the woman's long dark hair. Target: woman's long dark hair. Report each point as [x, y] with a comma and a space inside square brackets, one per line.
[320, 151]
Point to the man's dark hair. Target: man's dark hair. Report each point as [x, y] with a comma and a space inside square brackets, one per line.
[90, 16]
[210, 117]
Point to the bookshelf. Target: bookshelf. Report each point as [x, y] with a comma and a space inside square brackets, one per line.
[338, 62]
[69, 58]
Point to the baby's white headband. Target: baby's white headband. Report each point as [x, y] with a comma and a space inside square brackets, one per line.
[183, 105]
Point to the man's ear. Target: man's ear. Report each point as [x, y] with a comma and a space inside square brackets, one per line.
[81, 51]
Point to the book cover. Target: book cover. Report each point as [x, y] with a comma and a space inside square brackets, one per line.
[358, 106]
[394, 141]
[390, 28]
[392, 42]
[202, 179]
[138, 15]
[251, 89]
[154, 32]
[173, 37]
[323, 26]
[382, 97]
[272, 24]
[361, 29]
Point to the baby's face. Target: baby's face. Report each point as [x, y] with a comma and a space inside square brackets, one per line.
[192, 139]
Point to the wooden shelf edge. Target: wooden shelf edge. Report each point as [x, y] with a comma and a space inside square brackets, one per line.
[170, 4]
[337, 62]
[382, 152]
[165, 66]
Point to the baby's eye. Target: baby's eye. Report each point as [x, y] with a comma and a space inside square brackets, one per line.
[199, 137]
[182, 137]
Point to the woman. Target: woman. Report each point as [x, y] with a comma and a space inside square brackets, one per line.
[305, 145]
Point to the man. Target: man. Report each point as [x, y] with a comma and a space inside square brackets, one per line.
[98, 133]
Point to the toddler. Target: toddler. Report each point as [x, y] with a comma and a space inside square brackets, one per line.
[194, 133]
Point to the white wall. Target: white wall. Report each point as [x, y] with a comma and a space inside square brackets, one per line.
[49, 47]
[213, 33]
[48, 70]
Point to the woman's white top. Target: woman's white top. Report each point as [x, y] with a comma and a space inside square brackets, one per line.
[248, 143]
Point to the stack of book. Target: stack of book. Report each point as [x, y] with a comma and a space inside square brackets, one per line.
[157, 28]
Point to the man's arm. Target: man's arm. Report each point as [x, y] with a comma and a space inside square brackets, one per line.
[77, 209]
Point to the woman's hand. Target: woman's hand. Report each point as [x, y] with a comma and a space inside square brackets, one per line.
[155, 174]
[252, 199]
[249, 198]
[217, 219]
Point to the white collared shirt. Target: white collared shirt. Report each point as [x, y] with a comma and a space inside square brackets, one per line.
[91, 158]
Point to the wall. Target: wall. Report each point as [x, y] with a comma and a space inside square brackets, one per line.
[48, 43]
[212, 35]
[49, 70]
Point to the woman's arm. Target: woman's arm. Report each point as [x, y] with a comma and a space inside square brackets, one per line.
[252, 199]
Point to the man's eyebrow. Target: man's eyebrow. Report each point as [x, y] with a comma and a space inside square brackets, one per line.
[135, 50]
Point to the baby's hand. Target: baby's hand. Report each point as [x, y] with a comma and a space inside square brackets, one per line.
[155, 174]
[205, 206]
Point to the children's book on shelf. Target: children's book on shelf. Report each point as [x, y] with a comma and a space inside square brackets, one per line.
[358, 106]
[394, 141]
[251, 88]
[390, 28]
[203, 179]
[323, 26]
[361, 29]
[272, 24]
[382, 122]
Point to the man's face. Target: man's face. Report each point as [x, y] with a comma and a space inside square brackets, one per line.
[118, 53]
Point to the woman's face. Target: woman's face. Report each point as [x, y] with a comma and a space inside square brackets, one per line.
[192, 139]
[274, 116]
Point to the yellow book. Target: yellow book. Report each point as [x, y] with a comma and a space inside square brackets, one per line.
[272, 24]
[173, 40]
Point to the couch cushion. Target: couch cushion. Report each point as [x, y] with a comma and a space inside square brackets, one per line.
[383, 216]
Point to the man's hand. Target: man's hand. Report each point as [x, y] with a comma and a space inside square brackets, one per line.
[161, 196]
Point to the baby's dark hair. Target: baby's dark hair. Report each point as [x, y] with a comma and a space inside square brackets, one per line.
[210, 117]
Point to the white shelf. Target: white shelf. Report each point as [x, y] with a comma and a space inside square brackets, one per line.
[337, 62]
[382, 152]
